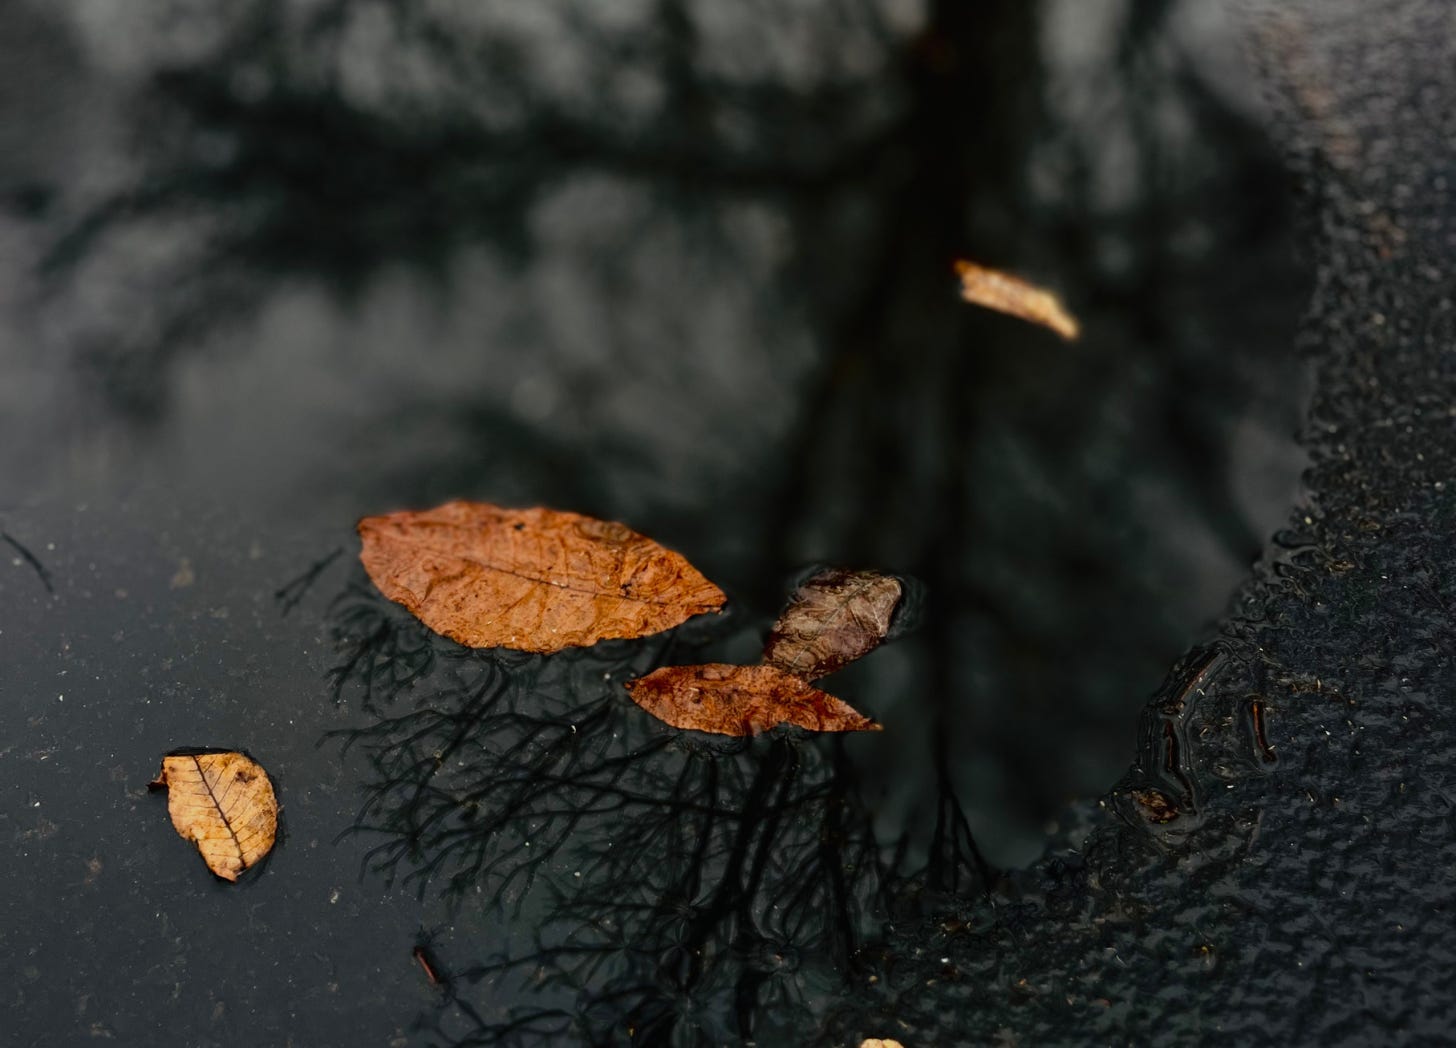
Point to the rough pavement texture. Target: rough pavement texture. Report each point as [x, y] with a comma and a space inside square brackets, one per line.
[1275, 869]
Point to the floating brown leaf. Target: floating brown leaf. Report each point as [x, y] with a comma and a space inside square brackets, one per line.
[1007, 294]
[741, 700]
[224, 803]
[532, 579]
[832, 619]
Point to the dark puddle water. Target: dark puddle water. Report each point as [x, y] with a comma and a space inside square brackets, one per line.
[688, 272]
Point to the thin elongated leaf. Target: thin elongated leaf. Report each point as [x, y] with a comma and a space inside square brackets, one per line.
[833, 618]
[741, 700]
[1018, 298]
[223, 803]
[531, 579]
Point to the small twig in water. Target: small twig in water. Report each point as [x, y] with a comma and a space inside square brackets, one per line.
[30, 558]
[422, 956]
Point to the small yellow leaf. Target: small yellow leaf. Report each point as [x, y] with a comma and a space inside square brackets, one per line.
[223, 803]
[1012, 295]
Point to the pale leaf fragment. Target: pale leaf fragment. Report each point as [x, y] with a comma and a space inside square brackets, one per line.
[741, 700]
[223, 803]
[833, 618]
[532, 579]
[1018, 298]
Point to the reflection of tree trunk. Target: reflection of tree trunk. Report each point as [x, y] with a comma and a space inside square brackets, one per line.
[950, 177]
[954, 172]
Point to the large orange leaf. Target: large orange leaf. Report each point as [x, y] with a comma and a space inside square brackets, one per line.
[532, 579]
[833, 618]
[223, 803]
[741, 700]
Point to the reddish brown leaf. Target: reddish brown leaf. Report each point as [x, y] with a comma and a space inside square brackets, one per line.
[223, 803]
[832, 619]
[532, 579]
[741, 700]
[1012, 295]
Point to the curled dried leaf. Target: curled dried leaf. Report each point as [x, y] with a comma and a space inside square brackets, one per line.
[1012, 295]
[223, 803]
[741, 700]
[833, 618]
[532, 579]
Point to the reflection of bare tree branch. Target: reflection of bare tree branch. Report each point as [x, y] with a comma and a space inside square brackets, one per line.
[677, 887]
[284, 166]
[380, 653]
[323, 142]
[956, 864]
[292, 592]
